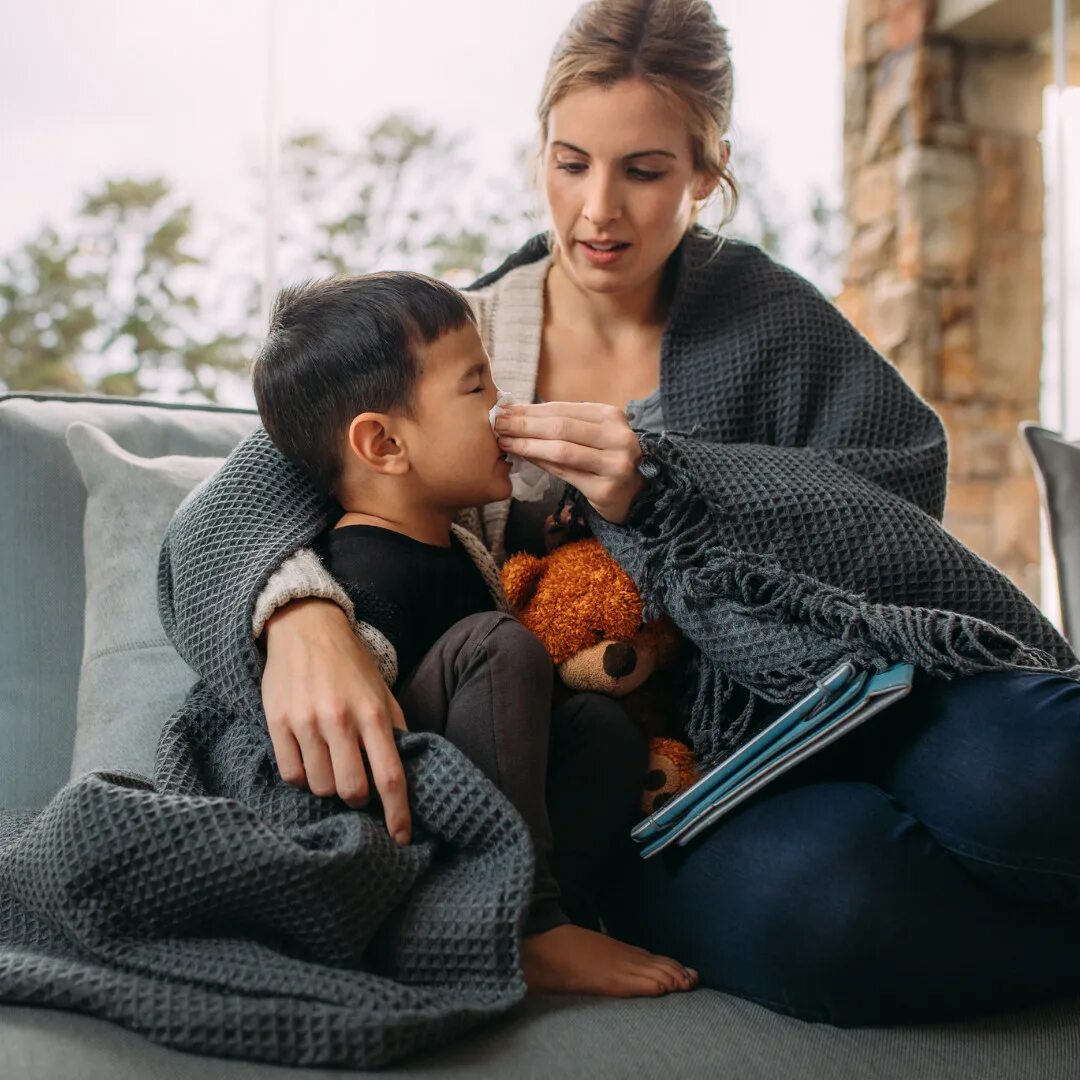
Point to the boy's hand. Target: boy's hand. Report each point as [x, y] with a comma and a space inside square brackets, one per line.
[325, 702]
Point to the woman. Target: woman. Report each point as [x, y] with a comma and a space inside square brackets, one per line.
[924, 868]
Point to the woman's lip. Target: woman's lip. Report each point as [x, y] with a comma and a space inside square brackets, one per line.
[601, 258]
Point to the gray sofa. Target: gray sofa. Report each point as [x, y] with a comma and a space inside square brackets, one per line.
[702, 1034]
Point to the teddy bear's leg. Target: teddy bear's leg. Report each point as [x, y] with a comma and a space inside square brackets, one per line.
[671, 769]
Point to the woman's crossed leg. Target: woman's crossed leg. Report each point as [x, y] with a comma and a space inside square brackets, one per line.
[924, 868]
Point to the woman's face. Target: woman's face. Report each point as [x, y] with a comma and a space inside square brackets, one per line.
[618, 170]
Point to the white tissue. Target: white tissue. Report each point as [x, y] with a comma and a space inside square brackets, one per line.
[528, 482]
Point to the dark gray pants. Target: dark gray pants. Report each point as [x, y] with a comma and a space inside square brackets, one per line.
[574, 773]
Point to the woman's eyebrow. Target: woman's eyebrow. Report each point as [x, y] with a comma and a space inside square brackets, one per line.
[626, 157]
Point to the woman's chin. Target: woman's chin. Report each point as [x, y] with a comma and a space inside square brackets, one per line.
[607, 280]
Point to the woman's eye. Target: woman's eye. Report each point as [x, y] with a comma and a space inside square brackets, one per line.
[478, 390]
[643, 174]
[571, 166]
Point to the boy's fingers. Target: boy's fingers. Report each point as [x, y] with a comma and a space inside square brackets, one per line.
[350, 778]
[390, 782]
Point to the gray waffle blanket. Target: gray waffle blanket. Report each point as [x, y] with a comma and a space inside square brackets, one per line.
[216, 909]
[793, 518]
[793, 514]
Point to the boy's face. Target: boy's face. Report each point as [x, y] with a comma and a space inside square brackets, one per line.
[453, 453]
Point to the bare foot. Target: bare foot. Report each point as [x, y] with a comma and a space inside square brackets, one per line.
[569, 959]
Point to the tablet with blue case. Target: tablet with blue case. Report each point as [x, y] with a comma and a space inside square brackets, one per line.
[841, 701]
[829, 689]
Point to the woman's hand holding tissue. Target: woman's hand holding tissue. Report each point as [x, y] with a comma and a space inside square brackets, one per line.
[589, 445]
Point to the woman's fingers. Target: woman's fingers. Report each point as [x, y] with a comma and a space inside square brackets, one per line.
[557, 427]
[593, 412]
[317, 764]
[350, 779]
[290, 763]
[389, 778]
[397, 717]
[545, 452]
[326, 705]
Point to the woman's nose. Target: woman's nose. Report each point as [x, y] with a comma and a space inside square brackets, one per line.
[602, 203]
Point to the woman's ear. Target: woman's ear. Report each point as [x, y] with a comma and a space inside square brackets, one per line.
[379, 447]
[705, 187]
[521, 577]
[706, 183]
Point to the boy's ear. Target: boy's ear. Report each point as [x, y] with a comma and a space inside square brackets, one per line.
[521, 576]
[373, 440]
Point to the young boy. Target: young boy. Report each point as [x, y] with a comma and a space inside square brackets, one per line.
[379, 387]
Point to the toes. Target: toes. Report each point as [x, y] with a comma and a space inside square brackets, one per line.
[644, 986]
[667, 974]
[681, 978]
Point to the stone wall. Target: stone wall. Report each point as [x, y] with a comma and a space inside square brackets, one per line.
[944, 191]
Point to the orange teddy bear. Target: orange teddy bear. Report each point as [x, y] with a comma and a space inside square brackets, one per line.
[583, 606]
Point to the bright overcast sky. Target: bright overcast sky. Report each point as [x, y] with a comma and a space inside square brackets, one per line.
[90, 88]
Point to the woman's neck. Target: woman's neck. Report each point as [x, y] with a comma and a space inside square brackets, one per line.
[610, 316]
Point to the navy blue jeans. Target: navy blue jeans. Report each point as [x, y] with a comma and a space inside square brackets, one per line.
[924, 868]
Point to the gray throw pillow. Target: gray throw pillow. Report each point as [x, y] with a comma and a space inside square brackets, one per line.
[131, 679]
[1057, 468]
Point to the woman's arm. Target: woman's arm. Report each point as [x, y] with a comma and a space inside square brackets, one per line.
[303, 577]
[324, 697]
[777, 561]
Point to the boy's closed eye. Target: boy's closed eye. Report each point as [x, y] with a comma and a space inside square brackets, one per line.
[474, 374]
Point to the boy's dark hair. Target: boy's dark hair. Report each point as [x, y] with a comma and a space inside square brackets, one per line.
[341, 346]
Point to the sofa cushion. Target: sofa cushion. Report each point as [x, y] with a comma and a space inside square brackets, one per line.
[41, 562]
[702, 1035]
[132, 679]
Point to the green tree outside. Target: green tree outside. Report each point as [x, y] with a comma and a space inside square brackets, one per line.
[120, 302]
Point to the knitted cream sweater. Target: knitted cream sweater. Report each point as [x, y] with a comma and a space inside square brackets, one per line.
[510, 314]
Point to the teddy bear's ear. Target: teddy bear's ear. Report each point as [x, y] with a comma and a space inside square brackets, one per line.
[521, 575]
[664, 639]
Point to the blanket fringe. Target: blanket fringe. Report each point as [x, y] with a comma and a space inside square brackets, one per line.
[681, 569]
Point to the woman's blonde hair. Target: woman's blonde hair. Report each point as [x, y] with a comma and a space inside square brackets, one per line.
[675, 45]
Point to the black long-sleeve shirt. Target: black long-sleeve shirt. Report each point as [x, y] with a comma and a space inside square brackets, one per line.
[411, 591]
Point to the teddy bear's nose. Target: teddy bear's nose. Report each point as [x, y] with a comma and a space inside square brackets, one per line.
[619, 659]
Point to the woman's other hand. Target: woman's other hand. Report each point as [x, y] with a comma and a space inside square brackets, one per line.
[589, 445]
[326, 703]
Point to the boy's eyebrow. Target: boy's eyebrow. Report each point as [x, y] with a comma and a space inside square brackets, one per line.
[627, 157]
[475, 369]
